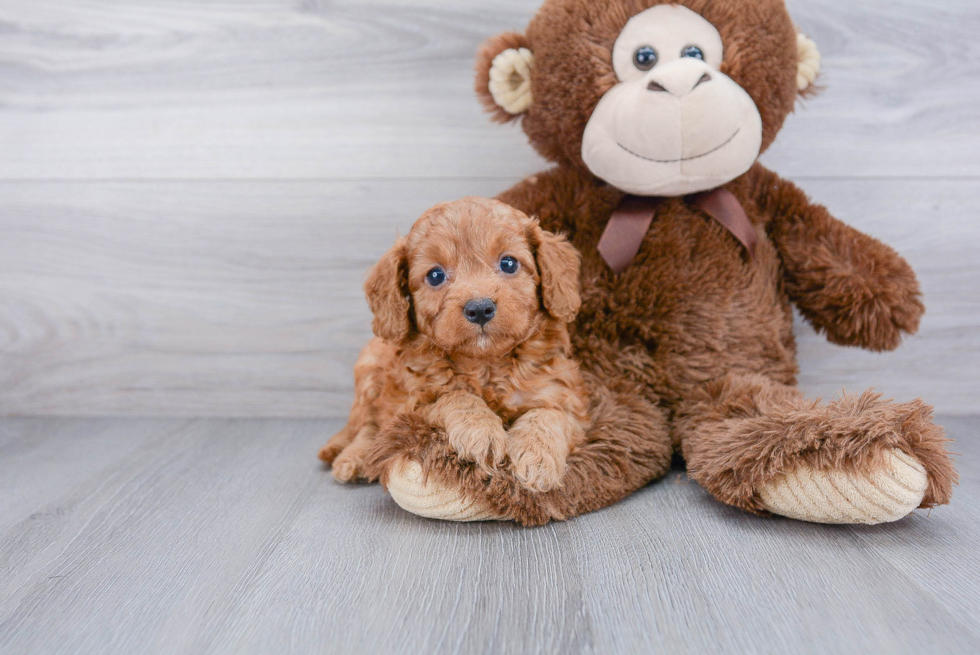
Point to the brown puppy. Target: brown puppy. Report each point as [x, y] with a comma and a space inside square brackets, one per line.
[465, 341]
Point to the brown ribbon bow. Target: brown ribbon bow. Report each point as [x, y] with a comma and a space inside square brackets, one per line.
[628, 225]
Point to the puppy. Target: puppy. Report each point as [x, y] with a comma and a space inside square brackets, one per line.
[470, 312]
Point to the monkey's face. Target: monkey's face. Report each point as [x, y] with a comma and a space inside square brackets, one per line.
[655, 97]
[674, 124]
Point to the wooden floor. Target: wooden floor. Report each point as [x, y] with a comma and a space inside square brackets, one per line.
[225, 536]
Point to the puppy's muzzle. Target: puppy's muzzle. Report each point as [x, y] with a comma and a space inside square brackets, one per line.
[480, 311]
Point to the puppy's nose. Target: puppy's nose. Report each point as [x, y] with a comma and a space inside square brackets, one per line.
[480, 311]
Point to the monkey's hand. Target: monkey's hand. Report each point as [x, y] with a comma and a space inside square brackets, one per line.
[867, 299]
[848, 285]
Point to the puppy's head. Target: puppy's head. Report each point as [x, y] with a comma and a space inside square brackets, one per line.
[468, 277]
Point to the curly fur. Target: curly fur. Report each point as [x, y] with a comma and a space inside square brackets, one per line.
[503, 392]
[619, 458]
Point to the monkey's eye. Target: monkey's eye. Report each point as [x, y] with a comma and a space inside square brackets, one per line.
[435, 277]
[509, 265]
[693, 52]
[645, 58]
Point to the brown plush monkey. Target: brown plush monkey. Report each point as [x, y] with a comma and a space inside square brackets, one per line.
[655, 115]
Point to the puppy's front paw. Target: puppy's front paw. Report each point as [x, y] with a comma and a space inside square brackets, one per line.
[348, 466]
[537, 465]
[482, 442]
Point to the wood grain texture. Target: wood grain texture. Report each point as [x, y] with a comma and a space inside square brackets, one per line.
[216, 536]
[283, 89]
[244, 299]
[190, 192]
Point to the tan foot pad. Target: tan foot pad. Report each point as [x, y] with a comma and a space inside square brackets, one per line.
[431, 499]
[838, 497]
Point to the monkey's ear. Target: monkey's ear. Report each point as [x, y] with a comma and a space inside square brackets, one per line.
[809, 64]
[503, 75]
[386, 289]
[559, 263]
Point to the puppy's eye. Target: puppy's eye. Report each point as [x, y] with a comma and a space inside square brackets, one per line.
[645, 58]
[509, 265]
[693, 52]
[435, 277]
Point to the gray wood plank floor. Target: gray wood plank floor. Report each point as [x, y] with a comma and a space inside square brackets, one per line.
[225, 536]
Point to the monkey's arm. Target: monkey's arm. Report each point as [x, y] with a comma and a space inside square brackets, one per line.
[853, 288]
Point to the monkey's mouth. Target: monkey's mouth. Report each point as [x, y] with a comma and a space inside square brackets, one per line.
[674, 161]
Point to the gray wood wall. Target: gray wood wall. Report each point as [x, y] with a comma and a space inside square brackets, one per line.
[191, 191]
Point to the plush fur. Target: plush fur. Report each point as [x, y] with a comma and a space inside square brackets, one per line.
[505, 392]
[691, 348]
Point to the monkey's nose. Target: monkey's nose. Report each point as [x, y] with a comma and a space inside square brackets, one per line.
[678, 81]
[480, 311]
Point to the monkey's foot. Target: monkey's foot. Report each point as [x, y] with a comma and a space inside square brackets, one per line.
[431, 499]
[829, 496]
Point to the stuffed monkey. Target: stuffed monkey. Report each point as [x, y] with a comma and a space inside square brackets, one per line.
[654, 116]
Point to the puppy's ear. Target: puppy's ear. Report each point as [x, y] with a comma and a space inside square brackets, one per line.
[386, 289]
[559, 263]
[503, 75]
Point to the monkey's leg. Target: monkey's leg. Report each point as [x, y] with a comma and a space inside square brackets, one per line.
[627, 446]
[760, 446]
